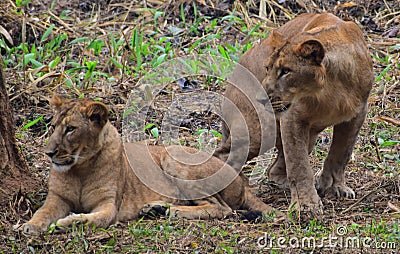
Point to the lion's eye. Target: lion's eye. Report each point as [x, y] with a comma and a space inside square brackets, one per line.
[69, 129]
[50, 128]
[284, 71]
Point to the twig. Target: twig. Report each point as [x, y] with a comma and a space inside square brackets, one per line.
[362, 198]
[393, 207]
[377, 149]
[387, 119]
[61, 22]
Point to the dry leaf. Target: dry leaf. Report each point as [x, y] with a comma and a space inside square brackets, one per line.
[4, 32]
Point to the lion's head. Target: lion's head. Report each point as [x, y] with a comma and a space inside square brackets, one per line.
[294, 69]
[78, 131]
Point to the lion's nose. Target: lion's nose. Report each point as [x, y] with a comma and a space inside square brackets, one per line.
[50, 153]
[262, 98]
[268, 85]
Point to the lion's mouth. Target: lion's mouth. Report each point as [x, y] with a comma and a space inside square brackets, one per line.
[279, 105]
[66, 163]
[283, 108]
[274, 104]
[62, 166]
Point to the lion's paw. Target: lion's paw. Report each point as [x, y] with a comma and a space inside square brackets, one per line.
[280, 180]
[154, 210]
[306, 209]
[277, 174]
[31, 229]
[62, 224]
[341, 190]
[253, 216]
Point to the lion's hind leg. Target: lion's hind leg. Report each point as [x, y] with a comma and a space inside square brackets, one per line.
[203, 209]
[332, 178]
[277, 171]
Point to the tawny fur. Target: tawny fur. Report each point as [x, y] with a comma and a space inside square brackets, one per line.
[91, 177]
[320, 68]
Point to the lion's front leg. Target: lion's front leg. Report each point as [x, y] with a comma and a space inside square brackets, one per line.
[102, 216]
[53, 209]
[295, 141]
[332, 178]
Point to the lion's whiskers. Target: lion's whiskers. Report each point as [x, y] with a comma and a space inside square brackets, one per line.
[280, 105]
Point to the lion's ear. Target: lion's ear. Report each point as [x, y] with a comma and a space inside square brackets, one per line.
[56, 101]
[276, 39]
[311, 50]
[276, 36]
[97, 112]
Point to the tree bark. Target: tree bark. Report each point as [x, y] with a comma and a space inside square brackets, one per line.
[14, 174]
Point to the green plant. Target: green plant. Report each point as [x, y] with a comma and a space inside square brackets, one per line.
[32, 123]
[138, 49]
[21, 3]
[387, 61]
[97, 46]
[202, 133]
[153, 129]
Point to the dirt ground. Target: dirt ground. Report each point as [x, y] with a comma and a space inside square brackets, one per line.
[373, 170]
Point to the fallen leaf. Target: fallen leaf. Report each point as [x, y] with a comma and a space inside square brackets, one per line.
[4, 32]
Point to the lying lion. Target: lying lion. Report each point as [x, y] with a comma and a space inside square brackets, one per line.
[317, 72]
[91, 176]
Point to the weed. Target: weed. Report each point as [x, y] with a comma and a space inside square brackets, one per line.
[31, 123]
[153, 129]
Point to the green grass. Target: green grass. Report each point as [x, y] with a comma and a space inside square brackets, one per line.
[170, 236]
[134, 53]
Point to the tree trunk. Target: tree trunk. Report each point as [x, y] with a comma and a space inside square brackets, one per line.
[14, 174]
